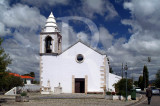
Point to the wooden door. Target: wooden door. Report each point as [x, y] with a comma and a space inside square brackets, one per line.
[79, 85]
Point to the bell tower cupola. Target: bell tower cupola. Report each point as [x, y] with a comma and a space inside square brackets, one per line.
[50, 37]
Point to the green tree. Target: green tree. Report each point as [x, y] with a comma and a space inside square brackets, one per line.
[26, 74]
[32, 74]
[35, 82]
[5, 60]
[3, 81]
[120, 86]
[145, 77]
[140, 82]
[25, 81]
[136, 83]
[157, 81]
[10, 81]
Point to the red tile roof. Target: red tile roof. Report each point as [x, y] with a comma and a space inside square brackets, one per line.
[21, 76]
[27, 77]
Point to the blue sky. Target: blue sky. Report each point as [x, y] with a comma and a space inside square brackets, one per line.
[127, 31]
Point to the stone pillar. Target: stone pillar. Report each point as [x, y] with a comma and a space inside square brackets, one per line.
[40, 77]
[86, 84]
[73, 84]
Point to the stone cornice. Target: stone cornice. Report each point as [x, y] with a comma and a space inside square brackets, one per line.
[48, 54]
[49, 33]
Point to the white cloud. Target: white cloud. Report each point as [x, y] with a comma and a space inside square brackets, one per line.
[145, 24]
[94, 5]
[22, 23]
[145, 13]
[45, 3]
[104, 8]
[105, 38]
[3, 30]
[111, 12]
[21, 16]
[24, 60]
[68, 35]
[144, 41]
[83, 36]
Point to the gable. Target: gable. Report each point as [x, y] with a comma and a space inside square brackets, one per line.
[84, 47]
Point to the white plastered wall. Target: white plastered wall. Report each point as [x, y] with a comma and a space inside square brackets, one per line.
[59, 69]
[112, 80]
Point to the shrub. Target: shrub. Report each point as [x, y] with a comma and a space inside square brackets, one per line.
[120, 86]
[113, 93]
[119, 93]
[24, 94]
[123, 93]
[7, 81]
[108, 93]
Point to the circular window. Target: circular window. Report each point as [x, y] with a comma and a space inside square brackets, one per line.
[80, 58]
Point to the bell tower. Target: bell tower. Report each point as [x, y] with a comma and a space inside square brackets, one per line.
[50, 38]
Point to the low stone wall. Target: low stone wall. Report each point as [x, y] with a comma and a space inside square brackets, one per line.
[30, 88]
[116, 97]
[22, 98]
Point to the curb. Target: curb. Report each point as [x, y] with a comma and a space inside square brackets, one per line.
[140, 98]
[35, 98]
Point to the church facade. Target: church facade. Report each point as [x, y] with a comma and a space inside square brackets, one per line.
[78, 69]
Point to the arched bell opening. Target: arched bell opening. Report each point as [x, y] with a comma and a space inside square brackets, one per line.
[48, 44]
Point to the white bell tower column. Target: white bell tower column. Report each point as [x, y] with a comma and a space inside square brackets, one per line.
[50, 45]
[50, 38]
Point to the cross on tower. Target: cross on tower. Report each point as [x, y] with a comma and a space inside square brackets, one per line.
[79, 37]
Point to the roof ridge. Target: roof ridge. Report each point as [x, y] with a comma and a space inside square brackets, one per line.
[85, 45]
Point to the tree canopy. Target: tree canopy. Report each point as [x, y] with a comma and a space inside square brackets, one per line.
[157, 81]
[32, 74]
[5, 59]
[120, 86]
[145, 77]
[7, 81]
[140, 82]
[10, 81]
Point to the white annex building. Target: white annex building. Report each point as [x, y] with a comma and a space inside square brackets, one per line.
[79, 69]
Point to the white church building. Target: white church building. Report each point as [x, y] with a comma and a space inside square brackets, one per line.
[78, 69]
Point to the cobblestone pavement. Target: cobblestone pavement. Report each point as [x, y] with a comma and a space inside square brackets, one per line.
[73, 100]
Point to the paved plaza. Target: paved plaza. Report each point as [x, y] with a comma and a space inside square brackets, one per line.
[37, 99]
